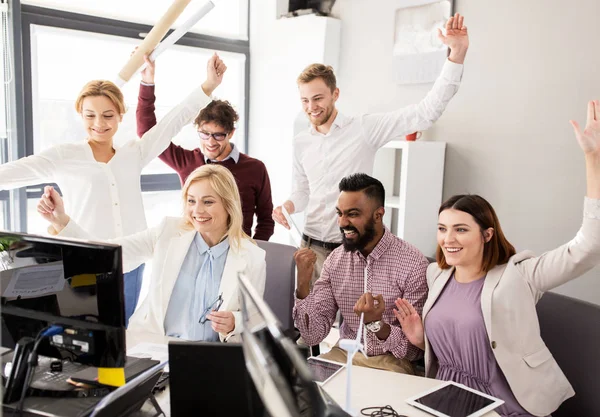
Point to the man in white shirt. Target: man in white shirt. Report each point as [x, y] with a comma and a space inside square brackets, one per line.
[337, 145]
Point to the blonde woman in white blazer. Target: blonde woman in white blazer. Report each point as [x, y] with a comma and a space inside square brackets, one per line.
[480, 325]
[196, 259]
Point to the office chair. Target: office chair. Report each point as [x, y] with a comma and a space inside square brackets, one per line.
[281, 281]
[569, 328]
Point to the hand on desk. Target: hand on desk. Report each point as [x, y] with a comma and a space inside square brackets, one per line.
[222, 321]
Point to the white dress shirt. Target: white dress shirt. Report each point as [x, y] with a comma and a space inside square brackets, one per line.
[105, 199]
[321, 161]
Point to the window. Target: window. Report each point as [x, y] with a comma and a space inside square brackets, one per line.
[54, 90]
[61, 51]
[228, 19]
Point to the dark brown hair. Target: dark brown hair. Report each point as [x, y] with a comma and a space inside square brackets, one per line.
[495, 252]
[219, 112]
[314, 71]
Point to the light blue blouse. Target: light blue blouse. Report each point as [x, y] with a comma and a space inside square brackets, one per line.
[196, 288]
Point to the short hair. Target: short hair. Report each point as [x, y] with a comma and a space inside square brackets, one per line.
[314, 71]
[104, 88]
[495, 252]
[220, 112]
[222, 181]
[372, 187]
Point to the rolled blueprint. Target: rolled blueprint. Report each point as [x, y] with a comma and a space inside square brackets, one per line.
[182, 30]
[151, 40]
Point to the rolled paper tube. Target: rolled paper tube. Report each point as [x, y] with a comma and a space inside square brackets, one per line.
[182, 30]
[152, 39]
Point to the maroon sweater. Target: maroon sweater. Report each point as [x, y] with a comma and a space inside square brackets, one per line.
[251, 174]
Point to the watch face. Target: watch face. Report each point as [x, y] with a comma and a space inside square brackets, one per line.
[374, 326]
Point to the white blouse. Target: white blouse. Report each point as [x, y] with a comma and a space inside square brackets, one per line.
[105, 199]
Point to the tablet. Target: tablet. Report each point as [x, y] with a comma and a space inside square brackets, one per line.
[323, 370]
[454, 400]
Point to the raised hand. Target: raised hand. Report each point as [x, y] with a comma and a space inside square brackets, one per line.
[589, 139]
[456, 38]
[148, 72]
[215, 68]
[411, 323]
[52, 208]
[305, 261]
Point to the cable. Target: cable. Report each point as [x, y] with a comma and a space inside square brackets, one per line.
[383, 411]
[32, 362]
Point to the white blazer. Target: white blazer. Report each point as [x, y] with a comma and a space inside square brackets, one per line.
[167, 245]
[508, 299]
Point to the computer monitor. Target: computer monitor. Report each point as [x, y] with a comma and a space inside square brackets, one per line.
[279, 372]
[73, 284]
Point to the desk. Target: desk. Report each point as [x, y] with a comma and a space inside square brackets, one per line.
[370, 387]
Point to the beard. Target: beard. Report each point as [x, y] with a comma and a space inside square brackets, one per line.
[321, 121]
[362, 240]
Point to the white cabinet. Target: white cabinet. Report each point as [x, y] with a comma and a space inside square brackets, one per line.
[413, 176]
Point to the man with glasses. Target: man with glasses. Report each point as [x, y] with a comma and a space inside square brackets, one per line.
[216, 126]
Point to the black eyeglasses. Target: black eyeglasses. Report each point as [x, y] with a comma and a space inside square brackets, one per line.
[215, 305]
[219, 136]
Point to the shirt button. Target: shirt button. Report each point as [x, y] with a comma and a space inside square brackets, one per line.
[493, 344]
[113, 184]
[116, 204]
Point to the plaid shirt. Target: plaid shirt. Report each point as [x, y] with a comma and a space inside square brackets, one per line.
[394, 269]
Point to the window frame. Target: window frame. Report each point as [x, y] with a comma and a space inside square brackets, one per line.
[23, 16]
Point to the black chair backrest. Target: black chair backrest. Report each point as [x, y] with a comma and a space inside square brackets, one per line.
[571, 330]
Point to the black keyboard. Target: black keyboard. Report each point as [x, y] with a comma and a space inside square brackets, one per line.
[44, 379]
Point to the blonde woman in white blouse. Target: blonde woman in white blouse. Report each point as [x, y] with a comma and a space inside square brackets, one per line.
[100, 182]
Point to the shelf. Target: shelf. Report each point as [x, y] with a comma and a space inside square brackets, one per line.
[403, 144]
[393, 202]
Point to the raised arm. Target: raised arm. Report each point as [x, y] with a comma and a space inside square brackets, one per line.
[314, 311]
[381, 128]
[32, 170]
[144, 113]
[137, 248]
[582, 253]
[158, 138]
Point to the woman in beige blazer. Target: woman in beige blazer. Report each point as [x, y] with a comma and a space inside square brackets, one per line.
[480, 326]
[196, 259]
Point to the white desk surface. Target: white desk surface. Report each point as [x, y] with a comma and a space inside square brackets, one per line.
[370, 387]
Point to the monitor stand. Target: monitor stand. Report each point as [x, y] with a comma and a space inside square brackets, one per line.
[18, 373]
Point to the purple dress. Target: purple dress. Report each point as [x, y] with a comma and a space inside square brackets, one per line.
[456, 331]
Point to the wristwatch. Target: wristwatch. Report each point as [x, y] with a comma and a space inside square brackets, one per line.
[374, 326]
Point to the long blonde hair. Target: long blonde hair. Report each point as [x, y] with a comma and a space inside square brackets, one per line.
[221, 180]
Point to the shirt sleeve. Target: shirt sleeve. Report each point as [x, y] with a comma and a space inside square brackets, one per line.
[568, 261]
[315, 314]
[137, 248]
[144, 113]
[158, 138]
[415, 292]
[34, 169]
[380, 128]
[265, 225]
[300, 188]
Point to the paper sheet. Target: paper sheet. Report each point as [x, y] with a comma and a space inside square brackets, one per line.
[294, 231]
[36, 280]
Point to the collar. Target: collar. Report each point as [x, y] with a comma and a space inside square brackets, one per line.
[339, 122]
[381, 247]
[234, 154]
[216, 251]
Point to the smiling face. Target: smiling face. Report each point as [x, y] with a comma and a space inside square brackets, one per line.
[318, 101]
[359, 221]
[100, 118]
[205, 210]
[210, 147]
[461, 239]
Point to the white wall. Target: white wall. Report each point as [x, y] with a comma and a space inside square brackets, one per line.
[531, 67]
